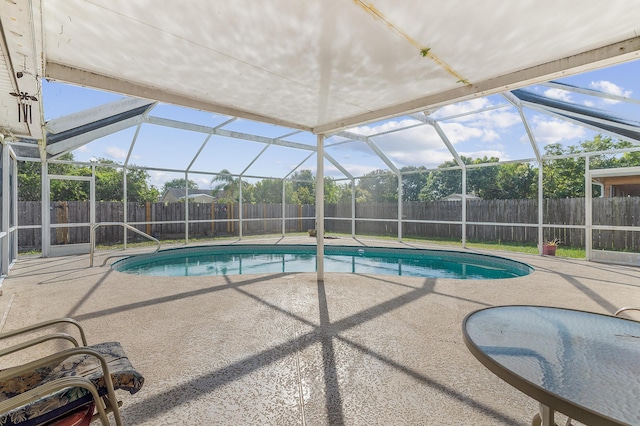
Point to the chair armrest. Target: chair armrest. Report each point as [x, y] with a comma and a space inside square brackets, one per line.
[54, 359]
[59, 357]
[38, 392]
[44, 324]
[627, 308]
[36, 341]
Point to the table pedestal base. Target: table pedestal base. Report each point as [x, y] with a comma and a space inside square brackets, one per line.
[544, 418]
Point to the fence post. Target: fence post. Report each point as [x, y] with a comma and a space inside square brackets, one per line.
[399, 207]
[353, 208]
[540, 207]
[588, 213]
[147, 208]
[213, 218]
[284, 208]
[464, 207]
[240, 205]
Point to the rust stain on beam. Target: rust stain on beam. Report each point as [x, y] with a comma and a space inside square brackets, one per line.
[422, 50]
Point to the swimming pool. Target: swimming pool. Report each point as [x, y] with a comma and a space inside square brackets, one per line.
[261, 259]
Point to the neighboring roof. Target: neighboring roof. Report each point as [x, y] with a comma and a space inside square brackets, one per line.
[203, 198]
[458, 197]
[181, 192]
[318, 66]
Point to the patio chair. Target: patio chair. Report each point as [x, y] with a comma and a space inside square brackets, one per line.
[57, 386]
[627, 308]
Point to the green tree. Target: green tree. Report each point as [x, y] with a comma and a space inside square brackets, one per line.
[439, 184]
[517, 181]
[412, 183]
[564, 177]
[344, 194]
[303, 183]
[30, 180]
[505, 181]
[270, 191]
[303, 196]
[179, 184]
[230, 188]
[108, 182]
[481, 181]
[381, 186]
[331, 191]
[138, 187]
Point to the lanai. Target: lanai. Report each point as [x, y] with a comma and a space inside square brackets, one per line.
[319, 68]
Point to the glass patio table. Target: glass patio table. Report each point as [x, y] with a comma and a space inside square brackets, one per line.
[584, 365]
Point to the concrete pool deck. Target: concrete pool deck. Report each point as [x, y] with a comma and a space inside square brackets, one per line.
[284, 349]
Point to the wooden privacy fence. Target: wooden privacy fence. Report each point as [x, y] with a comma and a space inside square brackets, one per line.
[166, 221]
[163, 221]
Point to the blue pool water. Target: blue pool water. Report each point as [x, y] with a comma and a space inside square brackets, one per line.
[264, 259]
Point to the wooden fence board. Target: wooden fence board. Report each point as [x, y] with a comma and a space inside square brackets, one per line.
[605, 211]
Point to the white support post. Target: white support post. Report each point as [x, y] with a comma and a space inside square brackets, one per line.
[14, 196]
[240, 202]
[399, 207]
[464, 207]
[186, 207]
[353, 208]
[320, 208]
[6, 201]
[125, 209]
[588, 212]
[540, 207]
[284, 207]
[92, 197]
[46, 211]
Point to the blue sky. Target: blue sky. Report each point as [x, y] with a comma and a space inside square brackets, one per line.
[497, 132]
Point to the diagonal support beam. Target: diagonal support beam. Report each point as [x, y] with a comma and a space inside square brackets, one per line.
[373, 146]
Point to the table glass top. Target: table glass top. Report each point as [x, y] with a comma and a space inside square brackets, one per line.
[590, 360]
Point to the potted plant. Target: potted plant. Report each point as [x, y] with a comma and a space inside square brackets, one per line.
[549, 247]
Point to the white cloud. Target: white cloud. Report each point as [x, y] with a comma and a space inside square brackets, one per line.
[202, 182]
[356, 170]
[457, 132]
[490, 135]
[559, 94]
[611, 88]
[499, 119]
[554, 130]
[158, 178]
[427, 158]
[384, 127]
[422, 146]
[420, 137]
[589, 104]
[116, 153]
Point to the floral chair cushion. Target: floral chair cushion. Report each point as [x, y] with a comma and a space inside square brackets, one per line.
[124, 377]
